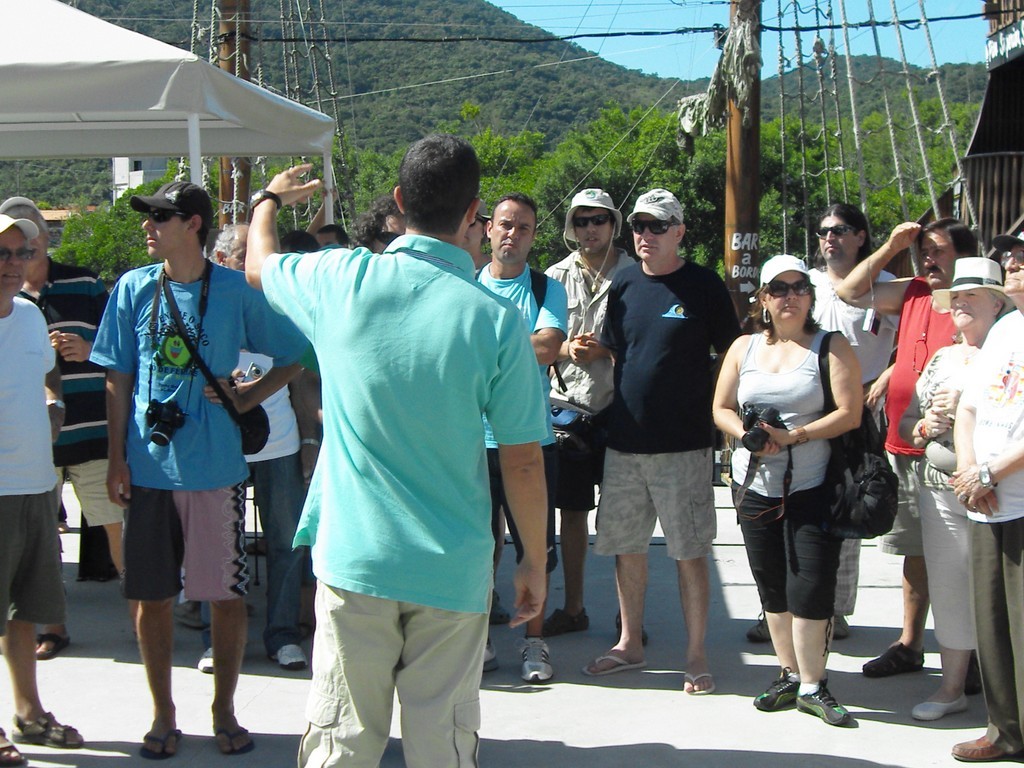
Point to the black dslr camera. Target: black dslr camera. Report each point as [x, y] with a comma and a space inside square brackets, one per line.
[164, 419]
[756, 437]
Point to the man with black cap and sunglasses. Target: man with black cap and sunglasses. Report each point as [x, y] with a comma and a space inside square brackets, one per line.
[582, 383]
[664, 317]
[175, 457]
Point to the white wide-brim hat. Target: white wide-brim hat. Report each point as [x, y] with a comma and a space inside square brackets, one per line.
[970, 273]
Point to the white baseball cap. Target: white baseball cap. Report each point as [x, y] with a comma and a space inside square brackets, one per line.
[776, 265]
[659, 203]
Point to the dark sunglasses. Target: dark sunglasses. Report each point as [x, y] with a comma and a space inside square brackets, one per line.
[838, 230]
[598, 220]
[655, 227]
[159, 216]
[25, 254]
[1012, 257]
[780, 288]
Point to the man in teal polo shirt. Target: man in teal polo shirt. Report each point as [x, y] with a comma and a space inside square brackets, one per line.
[412, 353]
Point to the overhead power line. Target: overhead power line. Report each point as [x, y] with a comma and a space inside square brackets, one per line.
[797, 28]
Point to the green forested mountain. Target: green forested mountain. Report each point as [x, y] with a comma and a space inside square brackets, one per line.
[393, 92]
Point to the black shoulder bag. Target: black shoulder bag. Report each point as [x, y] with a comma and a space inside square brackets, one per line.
[254, 424]
[862, 488]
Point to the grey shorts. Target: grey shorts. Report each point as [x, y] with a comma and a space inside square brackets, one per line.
[671, 488]
[905, 536]
[30, 585]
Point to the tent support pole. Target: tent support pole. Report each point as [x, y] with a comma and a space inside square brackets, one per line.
[328, 184]
[195, 158]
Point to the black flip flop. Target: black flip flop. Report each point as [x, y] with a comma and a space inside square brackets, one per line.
[163, 754]
[59, 644]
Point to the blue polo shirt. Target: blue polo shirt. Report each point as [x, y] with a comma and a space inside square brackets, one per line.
[412, 353]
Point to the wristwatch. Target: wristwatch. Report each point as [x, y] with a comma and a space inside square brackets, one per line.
[264, 194]
[985, 476]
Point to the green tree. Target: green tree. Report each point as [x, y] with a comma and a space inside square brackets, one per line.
[109, 240]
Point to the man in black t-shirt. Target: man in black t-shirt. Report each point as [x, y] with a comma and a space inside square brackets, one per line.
[665, 315]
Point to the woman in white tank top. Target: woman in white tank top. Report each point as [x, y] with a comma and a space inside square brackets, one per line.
[778, 472]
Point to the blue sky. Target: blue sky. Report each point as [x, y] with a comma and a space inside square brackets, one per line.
[692, 56]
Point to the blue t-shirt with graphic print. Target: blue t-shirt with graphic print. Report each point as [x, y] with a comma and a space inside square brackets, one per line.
[206, 451]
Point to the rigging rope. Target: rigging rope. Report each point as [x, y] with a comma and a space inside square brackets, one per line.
[857, 138]
[915, 116]
[820, 54]
[801, 112]
[948, 124]
[834, 92]
[782, 139]
[897, 164]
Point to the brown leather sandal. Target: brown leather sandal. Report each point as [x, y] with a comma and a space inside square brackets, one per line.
[46, 732]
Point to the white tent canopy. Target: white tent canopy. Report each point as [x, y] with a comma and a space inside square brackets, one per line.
[73, 85]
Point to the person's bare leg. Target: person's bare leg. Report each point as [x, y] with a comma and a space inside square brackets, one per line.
[954, 673]
[114, 531]
[575, 540]
[780, 626]
[156, 643]
[809, 645]
[535, 626]
[228, 628]
[915, 602]
[19, 649]
[631, 585]
[694, 596]
[114, 542]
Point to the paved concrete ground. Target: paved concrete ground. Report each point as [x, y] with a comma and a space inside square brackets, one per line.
[634, 719]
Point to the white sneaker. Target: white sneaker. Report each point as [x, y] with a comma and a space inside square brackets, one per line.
[290, 657]
[490, 657]
[205, 664]
[536, 661]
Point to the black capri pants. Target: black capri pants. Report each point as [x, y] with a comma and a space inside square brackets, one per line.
[793, 561]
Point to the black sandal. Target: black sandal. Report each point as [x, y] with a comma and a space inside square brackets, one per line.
[896, 660]
[57, 644]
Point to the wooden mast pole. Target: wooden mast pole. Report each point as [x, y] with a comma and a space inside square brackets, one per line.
[234, 58]
[743, 186]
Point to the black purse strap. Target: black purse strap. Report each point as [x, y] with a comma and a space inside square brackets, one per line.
[172, 306]
[826, 375]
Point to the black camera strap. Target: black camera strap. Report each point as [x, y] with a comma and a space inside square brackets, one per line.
[172, 306]
[154, 310]
[787, 479]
